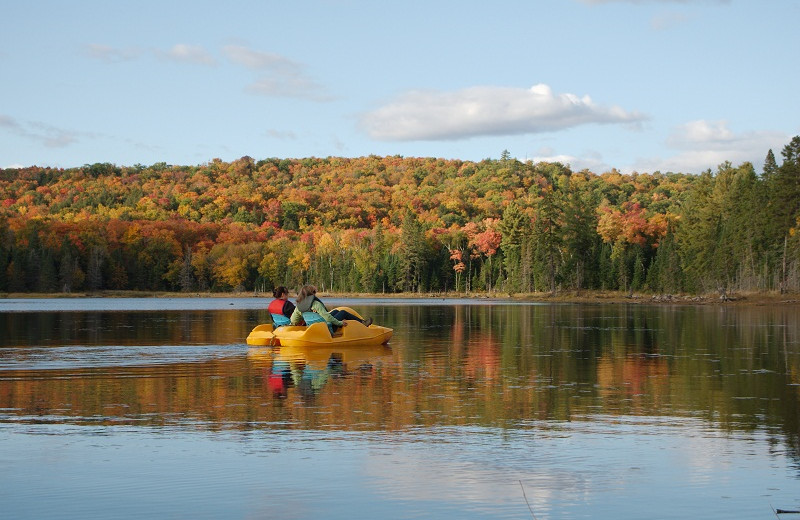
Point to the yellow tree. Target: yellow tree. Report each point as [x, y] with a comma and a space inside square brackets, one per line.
[299, 260]
[268, 269]
[229, 266]
[325, 253]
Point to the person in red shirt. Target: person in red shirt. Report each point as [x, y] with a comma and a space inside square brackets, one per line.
[280, 306]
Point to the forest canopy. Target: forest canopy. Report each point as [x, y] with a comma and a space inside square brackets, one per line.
[394, 224]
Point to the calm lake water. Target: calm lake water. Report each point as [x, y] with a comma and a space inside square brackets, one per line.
[156, 408]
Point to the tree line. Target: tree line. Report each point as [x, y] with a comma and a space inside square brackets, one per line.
[395, 224]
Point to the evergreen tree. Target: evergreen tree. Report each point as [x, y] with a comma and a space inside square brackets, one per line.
[664, 275]
[785, 201]
[94, 271]
[786, 193]
[637, 282]
[607, 268]
[744, 224]
[579, 232]
[770, 166]
[15, 273]
[412, 259]
[697, 235]
[48, 279]
[514, 227]
[4, 261]
[546, 236]
[31, 264]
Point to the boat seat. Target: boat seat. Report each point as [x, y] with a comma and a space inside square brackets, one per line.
[312, 317]
[279, 320]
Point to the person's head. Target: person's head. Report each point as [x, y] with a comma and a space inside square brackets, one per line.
[306, 291]
[280, 292]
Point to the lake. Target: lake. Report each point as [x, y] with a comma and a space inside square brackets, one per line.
[156, 408]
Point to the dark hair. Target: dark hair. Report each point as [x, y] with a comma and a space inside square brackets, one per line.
[279, 291]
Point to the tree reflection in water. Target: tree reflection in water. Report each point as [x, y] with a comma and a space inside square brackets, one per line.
[494, 364]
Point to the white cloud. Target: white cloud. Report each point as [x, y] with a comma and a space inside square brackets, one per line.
[566, 160]
[9, 122]
[667, 21]
[279, 134]
[189, 54]
[52, 137]
[598, 2]
[702, 134]
[47, 135]
[662, 21]
[178, 52]
[707, 144]
[260, 60]
[281, 76]
[287, 86]
[110, 54]
[483, 111]
[591, 161]
[278, 76]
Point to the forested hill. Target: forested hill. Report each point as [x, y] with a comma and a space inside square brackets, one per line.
[388, 224]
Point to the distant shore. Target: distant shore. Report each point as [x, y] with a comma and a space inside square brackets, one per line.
[616, 297]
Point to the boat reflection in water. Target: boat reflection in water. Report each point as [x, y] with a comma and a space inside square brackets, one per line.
[309, 369]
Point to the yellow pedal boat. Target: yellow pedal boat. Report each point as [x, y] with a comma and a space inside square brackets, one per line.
[319, 335]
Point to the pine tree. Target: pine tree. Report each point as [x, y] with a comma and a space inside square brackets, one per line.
[770, 166]
[787, 187]
[514, 226]
[637, 282]
[580, 232]
[16, 274]
[94, 271]
[48, 280]
[547, 238]
[664, 275]
[412, 243]
[696, 234]
[785, 201]
[607, 268]
[5, 258]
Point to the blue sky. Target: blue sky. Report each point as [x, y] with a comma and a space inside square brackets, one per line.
[636, 85]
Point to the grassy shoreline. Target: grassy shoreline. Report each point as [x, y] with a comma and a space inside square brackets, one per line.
[563, 297]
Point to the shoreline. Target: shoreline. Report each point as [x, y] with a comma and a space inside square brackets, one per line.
[611, 297]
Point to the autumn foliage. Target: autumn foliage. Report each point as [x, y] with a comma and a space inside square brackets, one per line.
[387, 224]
